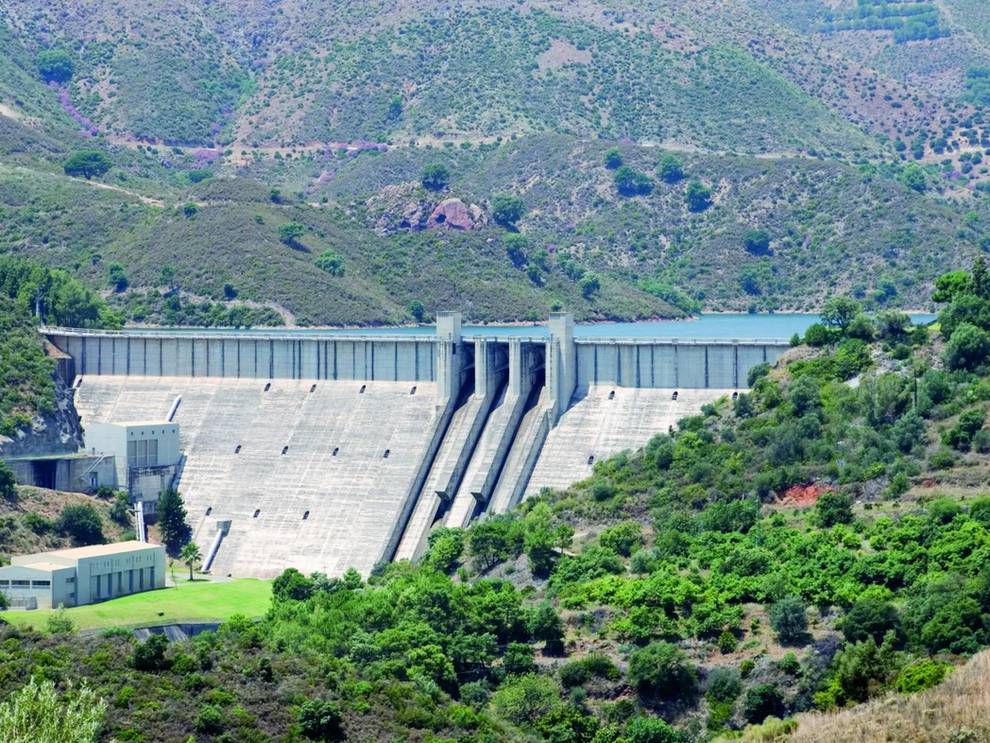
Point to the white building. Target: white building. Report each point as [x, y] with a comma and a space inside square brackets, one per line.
[146, 456]
[82, 575]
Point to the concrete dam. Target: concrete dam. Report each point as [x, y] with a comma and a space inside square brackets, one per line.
[325, 450]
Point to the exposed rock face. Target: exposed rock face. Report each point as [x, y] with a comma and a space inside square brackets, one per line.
[59, 433]
[451, 213]
[406, 207]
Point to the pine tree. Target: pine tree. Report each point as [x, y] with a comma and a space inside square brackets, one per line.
[172, 521]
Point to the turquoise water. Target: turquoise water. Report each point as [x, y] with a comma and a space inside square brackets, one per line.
[737, 326]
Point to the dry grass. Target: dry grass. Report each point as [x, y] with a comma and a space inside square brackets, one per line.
[957, 711]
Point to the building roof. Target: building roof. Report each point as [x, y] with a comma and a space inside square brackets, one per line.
[95, 550]
[131, 424]
[41, 565]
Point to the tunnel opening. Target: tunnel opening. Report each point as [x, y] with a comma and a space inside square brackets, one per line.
[43, 473]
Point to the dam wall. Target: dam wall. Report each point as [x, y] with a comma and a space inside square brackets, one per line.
[250, 356]
[324, 450]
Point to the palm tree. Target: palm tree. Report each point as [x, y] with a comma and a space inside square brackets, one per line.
[189, 554]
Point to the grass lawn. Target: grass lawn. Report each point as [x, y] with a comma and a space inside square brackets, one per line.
[200, 600]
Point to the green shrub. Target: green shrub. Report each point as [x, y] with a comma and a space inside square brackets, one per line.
[631, 182]
[8, 485]
[55, 65]
[613, 158]
[622, 538]
[757, 242]
[921, 675]
[87, 163]
[331, 262]
[209, 720]
[762, 701]
[698, 196]
[967, 348]
[671, 169]
[290, 232]
[81, 522]
[662, 669]
[652, 730]
[320, 720]
[435, 177]
[724, 684]
[788, 617]
[833, 508]
[507, 210]
[149, 656]
[871, 618]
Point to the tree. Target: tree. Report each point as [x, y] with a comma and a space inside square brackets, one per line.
[120, 510]
[8, 485]
[968, 347]
[671, 169]
[630, 182]
[525, 699]
[36, 713]
[292, 585]
[914, 177]
[190, 554]
[516, 246]
[417, 310]
[435, 177]
[172, 521]
[82, 522]
[331, 262]
[87, 163]
[757, 242]
[507, 210]
[116, 277]
[320, 720]
[613, 158]
[698, 196]
[833, 508]
[950, 285]
[290, 232]
[871, 617]
[762, 701]
[55, 65]
[589, 283]
[662, 669]
[168, 280]
[652, 730]
[789, 619]
[544, 624]
[149, 656]
[839, 312]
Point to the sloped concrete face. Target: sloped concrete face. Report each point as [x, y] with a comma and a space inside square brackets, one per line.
[604, 420]
[311, 475]
[325, 450]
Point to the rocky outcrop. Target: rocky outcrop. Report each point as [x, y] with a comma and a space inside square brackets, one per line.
[451, 213]
[57, 433]
[407, 208]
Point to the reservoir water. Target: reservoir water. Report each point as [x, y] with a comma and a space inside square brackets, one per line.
[741, 326]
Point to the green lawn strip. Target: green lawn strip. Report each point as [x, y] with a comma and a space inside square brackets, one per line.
[187, 602]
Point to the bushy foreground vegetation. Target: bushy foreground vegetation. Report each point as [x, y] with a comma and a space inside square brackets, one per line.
[785, 551]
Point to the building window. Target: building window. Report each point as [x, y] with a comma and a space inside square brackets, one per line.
[41, 583]
[20, 583]
[71, 579]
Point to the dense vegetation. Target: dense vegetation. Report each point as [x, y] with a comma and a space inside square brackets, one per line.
[812, 543]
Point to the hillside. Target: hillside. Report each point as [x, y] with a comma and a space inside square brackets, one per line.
[815, 544]
[844, 135]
